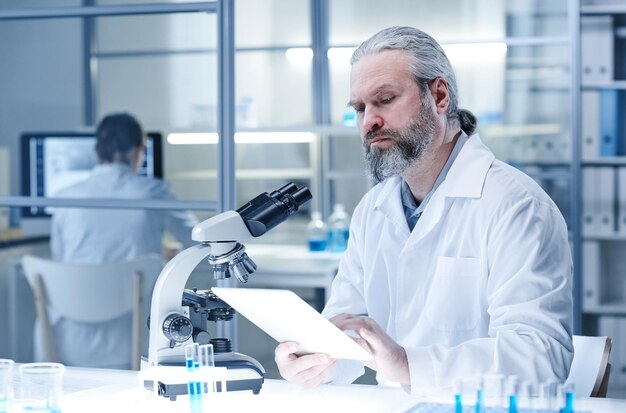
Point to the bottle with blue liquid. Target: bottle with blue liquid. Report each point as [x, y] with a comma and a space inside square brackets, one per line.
[317, 233]
[339, 229]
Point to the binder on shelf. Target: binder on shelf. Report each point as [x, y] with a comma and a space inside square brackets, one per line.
[563, 148]
[621, 200]
[549, 148]
[597, 41]
[620, 357]
[605, 191]
[591, 275]
[614, 327]
[590, 124]
[609, 121]
[589, 201]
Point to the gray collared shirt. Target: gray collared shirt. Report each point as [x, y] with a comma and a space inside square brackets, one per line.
[412, 211]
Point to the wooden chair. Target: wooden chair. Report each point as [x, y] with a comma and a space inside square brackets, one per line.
[590, 368]
[90, 293]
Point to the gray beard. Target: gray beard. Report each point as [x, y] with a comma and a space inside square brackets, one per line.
[410, 145]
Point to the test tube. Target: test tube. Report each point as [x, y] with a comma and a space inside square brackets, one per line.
[568, 389]
[512, 391]
[547, 394]
[494, 389]
[194, 388]
[207, 361]
[458, 396]
[6, 385]
[526, 395]
[466, 388]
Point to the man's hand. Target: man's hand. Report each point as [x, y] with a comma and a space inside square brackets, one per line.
[389, 357]
[307, 371]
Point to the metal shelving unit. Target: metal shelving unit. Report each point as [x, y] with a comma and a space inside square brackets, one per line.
[603, 281]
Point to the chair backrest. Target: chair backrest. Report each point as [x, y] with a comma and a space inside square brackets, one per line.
[590, 368]
[92, 293]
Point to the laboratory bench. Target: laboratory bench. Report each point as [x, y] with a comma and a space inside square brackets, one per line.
[99, 390]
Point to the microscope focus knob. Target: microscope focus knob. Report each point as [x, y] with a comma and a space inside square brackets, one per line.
[177, 328]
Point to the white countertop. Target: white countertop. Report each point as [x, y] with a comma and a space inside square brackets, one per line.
[117, 391]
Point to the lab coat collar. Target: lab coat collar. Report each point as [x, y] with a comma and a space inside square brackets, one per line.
[467, 175]
[107, 168]
[465, 179]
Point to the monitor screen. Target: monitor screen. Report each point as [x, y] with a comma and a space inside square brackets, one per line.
[53, 161]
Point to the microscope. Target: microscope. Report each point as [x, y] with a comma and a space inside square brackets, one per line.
[179, 317]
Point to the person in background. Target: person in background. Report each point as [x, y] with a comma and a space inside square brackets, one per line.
[460, 262]
[95, 236]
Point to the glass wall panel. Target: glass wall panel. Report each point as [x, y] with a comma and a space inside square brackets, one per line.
[271, 23]
[274, 89]
[351, 21]
[163, 69]
[149, 33]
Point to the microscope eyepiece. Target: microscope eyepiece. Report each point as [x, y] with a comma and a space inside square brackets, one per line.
[268, 210]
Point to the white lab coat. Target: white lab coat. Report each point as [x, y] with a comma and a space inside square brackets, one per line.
[483, 283]
[89, 235]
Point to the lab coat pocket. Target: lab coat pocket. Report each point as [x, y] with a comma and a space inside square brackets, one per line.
[453, 301]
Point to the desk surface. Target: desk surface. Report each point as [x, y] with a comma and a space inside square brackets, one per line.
[96, 390]
[12, 237]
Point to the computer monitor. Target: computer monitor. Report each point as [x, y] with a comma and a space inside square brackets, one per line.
[52, 161]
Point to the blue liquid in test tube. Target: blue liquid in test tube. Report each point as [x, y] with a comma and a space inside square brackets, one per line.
[458, 403]
[194, 388]
[513, 404]
[569, 403]
[479, 401]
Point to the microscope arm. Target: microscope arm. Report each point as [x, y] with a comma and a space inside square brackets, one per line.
[166, 299]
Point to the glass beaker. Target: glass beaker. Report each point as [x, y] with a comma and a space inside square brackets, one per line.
[41, 387]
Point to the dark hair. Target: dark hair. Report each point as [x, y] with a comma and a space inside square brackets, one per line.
[117, 134]
[427, 62]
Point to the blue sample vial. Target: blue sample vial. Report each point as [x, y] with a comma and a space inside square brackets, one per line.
[317, 233]
[339, 229]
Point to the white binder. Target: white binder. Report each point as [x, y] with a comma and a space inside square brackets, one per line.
[590, 124]
[589, 197]
[597, 49]
[591, 275]
[605, 192]
[621, 200]
[614, 327]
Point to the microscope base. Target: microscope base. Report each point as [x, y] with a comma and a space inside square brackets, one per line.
[243, 373]
[172, 391]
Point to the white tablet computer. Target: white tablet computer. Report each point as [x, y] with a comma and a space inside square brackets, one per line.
[286, 317]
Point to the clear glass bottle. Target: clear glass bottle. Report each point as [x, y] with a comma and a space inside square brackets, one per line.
[316, 233]
[339, 229]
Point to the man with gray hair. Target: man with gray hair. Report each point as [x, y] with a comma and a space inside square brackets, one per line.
[458, 264]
